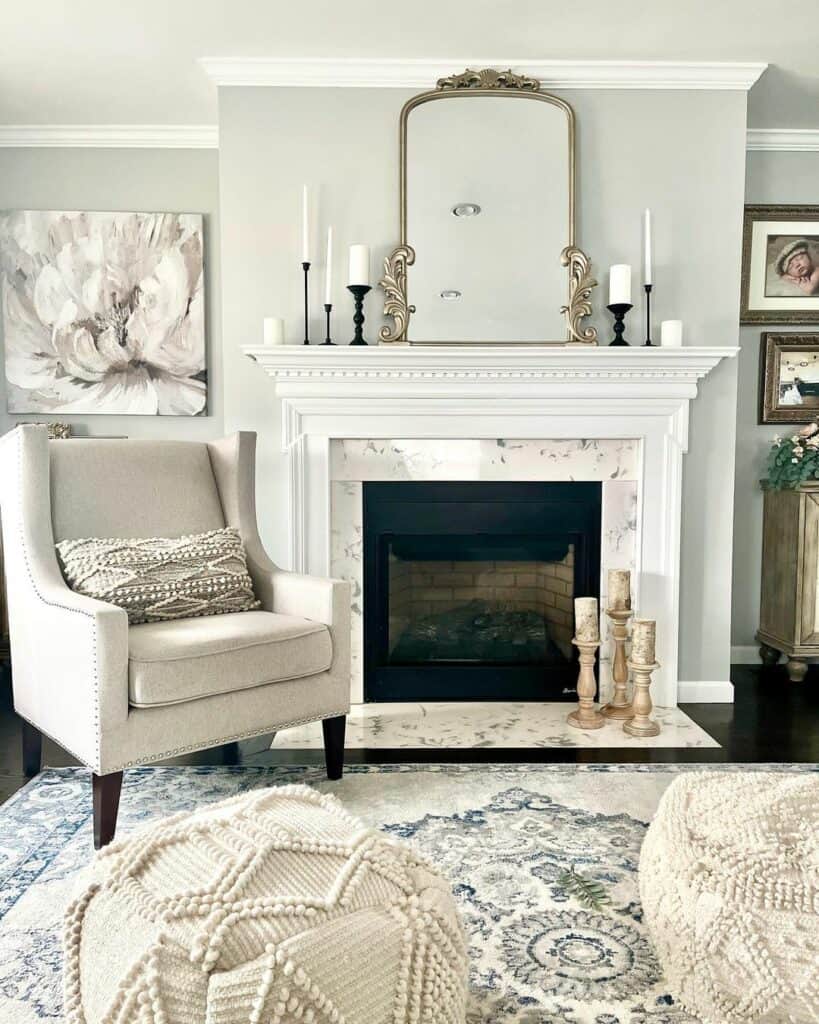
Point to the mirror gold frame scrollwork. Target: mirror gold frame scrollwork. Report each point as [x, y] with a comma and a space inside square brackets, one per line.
[487, 82]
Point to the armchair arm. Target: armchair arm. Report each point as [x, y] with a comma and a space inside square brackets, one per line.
[70, 652]
[311, 597]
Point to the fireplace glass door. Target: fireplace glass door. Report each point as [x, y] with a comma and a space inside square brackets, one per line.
[469, 588]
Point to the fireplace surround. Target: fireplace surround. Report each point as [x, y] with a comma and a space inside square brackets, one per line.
[454, 413]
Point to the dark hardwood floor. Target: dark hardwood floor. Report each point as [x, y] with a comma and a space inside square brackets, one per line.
[771, 720]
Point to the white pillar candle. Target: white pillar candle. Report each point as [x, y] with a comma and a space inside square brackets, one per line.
[586, 619]
[643, 636]
[647, 278]
[359, 265]
[619, 284]
[619, 596]
[328, 279]
[305, 226]
[671, 333]
[273, 330]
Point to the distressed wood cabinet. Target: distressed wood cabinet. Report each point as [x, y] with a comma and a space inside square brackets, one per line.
[789, 610]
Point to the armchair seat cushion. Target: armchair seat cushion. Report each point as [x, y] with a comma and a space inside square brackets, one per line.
[173, 662]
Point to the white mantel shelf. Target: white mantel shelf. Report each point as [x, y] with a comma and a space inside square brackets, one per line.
[345, 365]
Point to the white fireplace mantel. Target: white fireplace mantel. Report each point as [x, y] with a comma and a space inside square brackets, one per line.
[498, 392]
[322, 387]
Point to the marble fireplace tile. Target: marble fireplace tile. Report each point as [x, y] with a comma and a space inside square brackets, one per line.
[614, 462]
[487, 724]
[500, 459]
[347, 563]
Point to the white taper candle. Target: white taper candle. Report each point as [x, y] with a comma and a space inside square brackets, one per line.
[305, 226]
[647, 269]
[328, 278]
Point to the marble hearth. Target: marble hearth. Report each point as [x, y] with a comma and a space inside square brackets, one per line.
[619, 416]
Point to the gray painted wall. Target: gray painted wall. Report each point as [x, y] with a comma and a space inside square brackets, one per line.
[172, 180]
[770, 178]
[635, 149]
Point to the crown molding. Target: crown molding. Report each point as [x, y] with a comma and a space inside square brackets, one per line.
[421, 74]
[111, 136]
[784, 140]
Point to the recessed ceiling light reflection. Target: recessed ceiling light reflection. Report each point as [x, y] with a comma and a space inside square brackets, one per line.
[466, 210]
[450, 294]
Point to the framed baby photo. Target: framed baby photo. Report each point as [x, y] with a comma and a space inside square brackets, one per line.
[788, 378]
[780, 265]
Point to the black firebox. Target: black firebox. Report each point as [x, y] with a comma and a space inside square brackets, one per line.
[469, 588]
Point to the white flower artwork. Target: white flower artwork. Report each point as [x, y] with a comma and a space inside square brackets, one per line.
[103, 312]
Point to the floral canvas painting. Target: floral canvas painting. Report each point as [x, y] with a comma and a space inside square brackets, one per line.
[103, 313]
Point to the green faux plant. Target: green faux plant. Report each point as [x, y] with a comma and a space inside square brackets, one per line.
[591, 894]
[794, 460]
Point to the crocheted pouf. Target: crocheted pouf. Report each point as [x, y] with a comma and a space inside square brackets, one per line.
[269, 908]
[729, 882]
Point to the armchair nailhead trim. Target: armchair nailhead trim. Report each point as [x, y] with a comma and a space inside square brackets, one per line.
[56, 604]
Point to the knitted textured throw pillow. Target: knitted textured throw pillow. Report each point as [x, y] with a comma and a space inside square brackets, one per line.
[155, 579]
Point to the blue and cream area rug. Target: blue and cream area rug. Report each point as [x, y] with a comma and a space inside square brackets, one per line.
[503, 833]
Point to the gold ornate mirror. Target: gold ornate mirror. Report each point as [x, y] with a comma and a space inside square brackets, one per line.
[487, 218]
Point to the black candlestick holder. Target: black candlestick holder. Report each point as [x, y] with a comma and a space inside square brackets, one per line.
[359, 291]
[306, 268]
[618, 310]
[328, 309]
[647, 288]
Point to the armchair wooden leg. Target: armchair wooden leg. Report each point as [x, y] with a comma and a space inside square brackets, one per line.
[32, 750]
[334, 745]
[106, 790]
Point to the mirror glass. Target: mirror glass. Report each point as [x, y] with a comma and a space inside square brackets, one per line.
[488, 215]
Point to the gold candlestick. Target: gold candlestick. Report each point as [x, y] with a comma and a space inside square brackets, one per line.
[641, 724]
[586, 716]
[619, 706]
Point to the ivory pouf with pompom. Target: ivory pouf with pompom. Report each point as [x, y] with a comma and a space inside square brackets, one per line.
[270, 908]
[729, 882]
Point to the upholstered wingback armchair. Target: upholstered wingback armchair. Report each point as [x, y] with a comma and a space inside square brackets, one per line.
[115, 695]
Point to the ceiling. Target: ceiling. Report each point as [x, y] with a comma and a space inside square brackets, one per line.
[95, 62]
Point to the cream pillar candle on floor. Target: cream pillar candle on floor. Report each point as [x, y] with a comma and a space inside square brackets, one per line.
[642, 641]
[273, 330]
[587, 620]
[619, 596]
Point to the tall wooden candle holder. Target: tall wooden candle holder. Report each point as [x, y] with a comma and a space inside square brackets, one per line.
[641, 724]
[619, 707]
[586, 716]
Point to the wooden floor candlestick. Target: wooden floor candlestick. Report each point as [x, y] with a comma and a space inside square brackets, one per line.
[619, 707]
[641, 724]
[586, 716]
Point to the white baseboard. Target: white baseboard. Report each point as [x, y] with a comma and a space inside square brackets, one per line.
[745, 654]
[702, 692]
